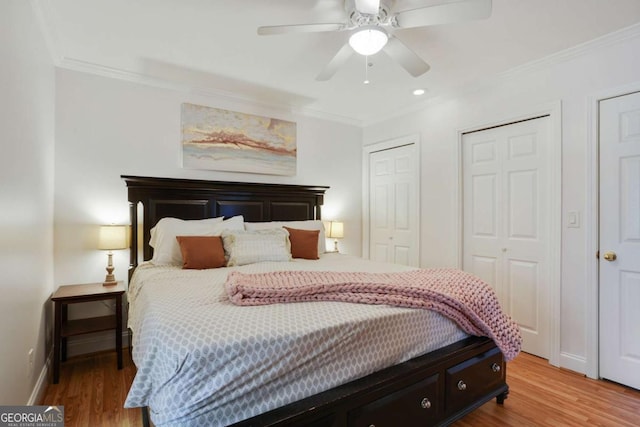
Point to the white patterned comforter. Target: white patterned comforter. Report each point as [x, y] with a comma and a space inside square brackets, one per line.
[204, 361]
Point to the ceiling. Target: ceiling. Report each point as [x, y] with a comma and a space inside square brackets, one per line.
[213, 45]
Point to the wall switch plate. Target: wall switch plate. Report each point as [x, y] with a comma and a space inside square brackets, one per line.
[573, 219]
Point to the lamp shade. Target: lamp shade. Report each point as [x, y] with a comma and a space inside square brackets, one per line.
[112, 237]
[368, 40]
[336, 230]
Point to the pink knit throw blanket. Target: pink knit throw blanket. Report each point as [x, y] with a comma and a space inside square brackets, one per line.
[462, 297]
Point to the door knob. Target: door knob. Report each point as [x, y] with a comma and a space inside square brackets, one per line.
[610, 256]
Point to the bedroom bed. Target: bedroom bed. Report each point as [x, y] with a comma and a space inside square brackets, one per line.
[424, 376]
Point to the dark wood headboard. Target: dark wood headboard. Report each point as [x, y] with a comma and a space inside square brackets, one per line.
[198, 199]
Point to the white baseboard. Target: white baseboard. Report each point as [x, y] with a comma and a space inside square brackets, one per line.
[573, 362]
[91, 343]
[41, 385]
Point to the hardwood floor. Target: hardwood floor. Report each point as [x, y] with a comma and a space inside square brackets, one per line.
[92, 391]
[542, 395]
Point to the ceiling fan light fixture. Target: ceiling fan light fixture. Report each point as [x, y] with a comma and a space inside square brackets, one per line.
[368, 40]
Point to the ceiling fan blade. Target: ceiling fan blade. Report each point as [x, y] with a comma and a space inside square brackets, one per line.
[464, 10]
[405, 57]
[338, 60]
[300, 28]
[370, 7]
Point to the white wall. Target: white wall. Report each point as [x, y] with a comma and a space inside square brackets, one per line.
[26, 201]
[571, 78]
[107, 127]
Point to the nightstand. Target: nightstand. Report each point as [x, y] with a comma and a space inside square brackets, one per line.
[64, 328]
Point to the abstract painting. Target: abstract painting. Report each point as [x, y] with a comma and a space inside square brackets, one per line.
[223, 140]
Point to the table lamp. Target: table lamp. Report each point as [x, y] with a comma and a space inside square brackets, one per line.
[336, 231]
[112, 237]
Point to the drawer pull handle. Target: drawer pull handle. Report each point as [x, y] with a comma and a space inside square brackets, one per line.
[425, 403]
[461, 385]
[495, 367]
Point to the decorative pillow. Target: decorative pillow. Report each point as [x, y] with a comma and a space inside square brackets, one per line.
[201, 252]
[248, 247]
[304, 243]
[163, 236]
[300, 225]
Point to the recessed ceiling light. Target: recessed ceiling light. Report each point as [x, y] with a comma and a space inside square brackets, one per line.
[418, 92]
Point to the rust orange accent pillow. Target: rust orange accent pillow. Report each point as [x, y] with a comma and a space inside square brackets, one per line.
[201, 252]
[304, 243]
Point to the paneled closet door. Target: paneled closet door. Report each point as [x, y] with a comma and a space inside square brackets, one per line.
[505, 228]
[619, 263]
[393, 206]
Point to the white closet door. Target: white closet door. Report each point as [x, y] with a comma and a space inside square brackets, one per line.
[506, 226]
[393, 206]
[619, 279]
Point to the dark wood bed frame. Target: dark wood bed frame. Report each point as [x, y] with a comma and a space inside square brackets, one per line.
[434, 389]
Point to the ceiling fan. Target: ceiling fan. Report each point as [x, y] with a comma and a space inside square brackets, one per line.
[372, 22]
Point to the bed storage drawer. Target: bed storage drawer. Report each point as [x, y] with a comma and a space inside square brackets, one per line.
[473, 378]
[415, 405]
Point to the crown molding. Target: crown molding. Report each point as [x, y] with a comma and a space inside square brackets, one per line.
[585, 48]
[581, 49]
[43, 13]
[145, 79]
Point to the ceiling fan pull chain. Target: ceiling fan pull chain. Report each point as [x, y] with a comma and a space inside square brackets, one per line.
[366, 70]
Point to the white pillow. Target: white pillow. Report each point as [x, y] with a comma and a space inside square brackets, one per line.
[168, 225]
[248, 247]
[166, 249]
[312, 224]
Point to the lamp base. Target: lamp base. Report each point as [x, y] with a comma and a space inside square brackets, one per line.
[110, 280]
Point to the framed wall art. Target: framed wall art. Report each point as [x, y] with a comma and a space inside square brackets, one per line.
[223, 140]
